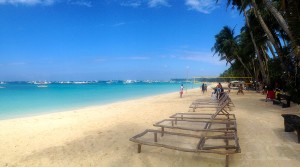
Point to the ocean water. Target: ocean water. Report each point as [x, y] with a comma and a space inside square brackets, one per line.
[24, 99]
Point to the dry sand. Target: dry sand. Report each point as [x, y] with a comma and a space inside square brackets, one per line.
[99, 135]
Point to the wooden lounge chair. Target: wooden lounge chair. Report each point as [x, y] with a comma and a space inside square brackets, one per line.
[220, 114]
[224, 143]
[197, 125]
[223, 101]
[212, 101]
[200, 121]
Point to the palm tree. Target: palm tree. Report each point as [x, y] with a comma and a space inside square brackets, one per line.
[226, 46]
[279, 18]
[258, 53]
[241, 5]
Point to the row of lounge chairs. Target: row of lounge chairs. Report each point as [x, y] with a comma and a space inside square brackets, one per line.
[214, 132]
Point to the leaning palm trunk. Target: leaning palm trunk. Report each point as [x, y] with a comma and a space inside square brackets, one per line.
[279, 18]
[268, 33]
[241, 61]
[293, 20]
[266, 58]
[261, 65]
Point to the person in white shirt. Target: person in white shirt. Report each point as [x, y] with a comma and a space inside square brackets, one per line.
[181, 90]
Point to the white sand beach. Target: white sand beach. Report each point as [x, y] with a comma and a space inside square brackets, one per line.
[99, 135]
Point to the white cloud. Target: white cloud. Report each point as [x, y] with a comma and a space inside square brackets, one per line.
[203, 6]
[157, 3]
[118, 24]
[81, 3]
[204, 57]
[16, 63]
[133, 3]
[133, 58]
[138, 58]
[149, 3]
[99, 60]
[27, 2]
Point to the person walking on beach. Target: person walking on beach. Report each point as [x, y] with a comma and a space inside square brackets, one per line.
[181, 90]
[229, 87]
[219, 88]
[203, 88]
[240, 89]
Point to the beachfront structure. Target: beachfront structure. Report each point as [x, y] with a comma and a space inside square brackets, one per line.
[198, 80]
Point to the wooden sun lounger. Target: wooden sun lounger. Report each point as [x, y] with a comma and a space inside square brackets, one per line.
[221, 114]
[225, 143]
[197, 125]
[213, 102]
[222, 104]
[200, 121]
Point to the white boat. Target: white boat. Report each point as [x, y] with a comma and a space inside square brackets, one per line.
[42, 86]
[2, 87]
[65, 82]
[128, 81]
[80, 82]
[109, 82]
[40, 82]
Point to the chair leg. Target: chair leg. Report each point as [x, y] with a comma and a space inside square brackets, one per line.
[139, 148]
[298, 133]
[227, 161]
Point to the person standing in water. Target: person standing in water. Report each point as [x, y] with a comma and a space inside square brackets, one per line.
[181, 90]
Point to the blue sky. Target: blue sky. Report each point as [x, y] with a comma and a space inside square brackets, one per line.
[111, 39]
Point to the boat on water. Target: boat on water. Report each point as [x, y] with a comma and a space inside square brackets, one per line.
[110, 82]
[2, 87]
[42, 86]
[80, 82]
[129, 81]
[39, 82]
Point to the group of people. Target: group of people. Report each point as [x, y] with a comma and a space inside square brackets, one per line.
[218, 89]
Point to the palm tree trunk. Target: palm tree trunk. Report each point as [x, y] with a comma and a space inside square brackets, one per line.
[261, 65]
[268, 32]
[241, 61]
[279, 18]
[266, 62]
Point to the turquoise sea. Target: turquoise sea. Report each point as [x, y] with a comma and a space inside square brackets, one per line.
[20, 99]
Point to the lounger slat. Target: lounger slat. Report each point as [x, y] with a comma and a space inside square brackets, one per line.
[200, 130]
